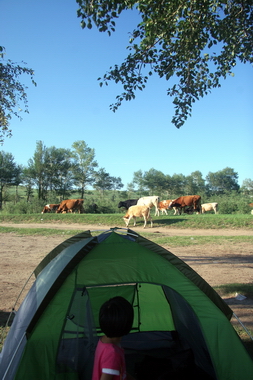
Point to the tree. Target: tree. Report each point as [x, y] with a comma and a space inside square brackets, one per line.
[12, 93]
[9, 172]
[177, 185]
[222, 181]
[28, 182]
[247, 186]
[191, 43]
[83, 165]
[154, 180]
[17, 180]
[59, 170]
[37, 169]
[138, 180]
[50, 170]
[103, 180]
[116, 183]
[195, 183]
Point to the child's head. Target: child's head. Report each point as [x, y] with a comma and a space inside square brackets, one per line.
[116, 317]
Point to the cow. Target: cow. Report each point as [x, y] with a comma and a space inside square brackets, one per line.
[50, 208]
[151, 201]
[164, 205]
[138, 211]
[71, 205]
[128, 203]
[209, 207]
[251, 212]
[193, 202]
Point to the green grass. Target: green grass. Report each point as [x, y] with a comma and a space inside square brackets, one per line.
[232, 289]
[184, 241]
[205, 221]
[38, 231]
[166, 241]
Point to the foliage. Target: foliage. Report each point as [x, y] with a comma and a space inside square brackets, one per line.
[222, 181]
[83, 165]
[154, 181]
[23, 207]
[232, 203]
[103, 181]
[194, 44]
[247, 186]
[54, 174]
[13, 93]
[58, 170]
[9, 173]
[36, 169]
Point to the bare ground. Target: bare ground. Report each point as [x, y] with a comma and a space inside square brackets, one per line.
[217, 264]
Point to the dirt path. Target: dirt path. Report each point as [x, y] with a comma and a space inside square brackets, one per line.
[217, 264]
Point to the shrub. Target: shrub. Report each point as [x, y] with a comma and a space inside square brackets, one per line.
[24, 207]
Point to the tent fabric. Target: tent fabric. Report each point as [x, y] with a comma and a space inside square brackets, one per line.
[190, 273]
[176, 313]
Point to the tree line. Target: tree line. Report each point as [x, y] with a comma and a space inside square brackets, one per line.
[56, 173]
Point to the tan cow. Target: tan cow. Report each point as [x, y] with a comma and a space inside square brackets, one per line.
[138, 211]
[209, 207]
[50, 208]
[164, 205]
[71, 205]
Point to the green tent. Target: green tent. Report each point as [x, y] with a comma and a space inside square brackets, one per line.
[181, 325]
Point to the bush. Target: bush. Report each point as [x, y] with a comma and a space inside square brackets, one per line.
[232, 203]
[227, 207]
[23, 207]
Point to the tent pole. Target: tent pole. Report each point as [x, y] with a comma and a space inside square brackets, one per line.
[244, 327]
[13, 356]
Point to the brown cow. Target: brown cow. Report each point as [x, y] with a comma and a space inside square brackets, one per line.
[189, 201]
[164, 205]
[50, 208]
[71, 205]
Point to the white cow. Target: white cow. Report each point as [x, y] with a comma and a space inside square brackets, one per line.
[209, 207]
[138, 211]
[151, 201]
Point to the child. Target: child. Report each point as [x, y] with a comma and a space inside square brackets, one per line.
[115, 319]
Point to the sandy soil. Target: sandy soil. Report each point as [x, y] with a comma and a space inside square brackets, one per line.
[217, 264]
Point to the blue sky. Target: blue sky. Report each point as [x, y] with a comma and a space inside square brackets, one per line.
[68, 105]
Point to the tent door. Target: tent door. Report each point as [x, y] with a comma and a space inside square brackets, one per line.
[79, 340]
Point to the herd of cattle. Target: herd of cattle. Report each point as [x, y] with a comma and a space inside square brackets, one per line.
[141, 207]
[68, 205]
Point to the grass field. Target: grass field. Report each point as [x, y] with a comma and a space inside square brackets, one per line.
[203, 221]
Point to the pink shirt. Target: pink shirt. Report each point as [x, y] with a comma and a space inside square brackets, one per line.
[109, 358]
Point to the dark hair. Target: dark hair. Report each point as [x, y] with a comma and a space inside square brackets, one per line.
[116, 317]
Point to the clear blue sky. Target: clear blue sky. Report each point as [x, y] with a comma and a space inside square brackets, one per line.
[68, 105]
